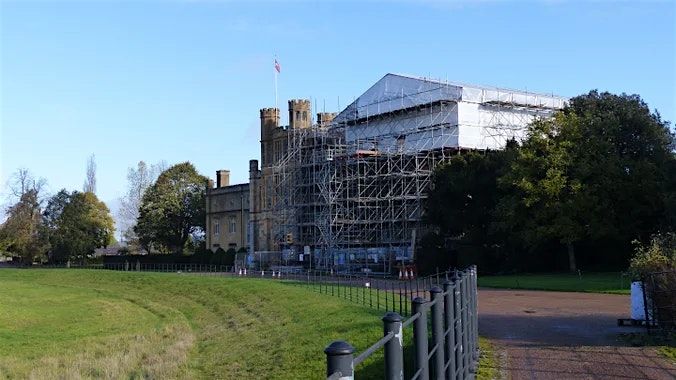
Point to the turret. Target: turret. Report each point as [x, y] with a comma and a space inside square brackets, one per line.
[300, 115]
[269, 122]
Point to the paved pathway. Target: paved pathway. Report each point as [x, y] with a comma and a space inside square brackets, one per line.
[560, 335]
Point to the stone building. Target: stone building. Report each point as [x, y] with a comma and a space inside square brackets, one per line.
[347, 190]
[265, 180]
[227, 212]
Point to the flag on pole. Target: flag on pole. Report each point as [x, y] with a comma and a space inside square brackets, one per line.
[277, 66]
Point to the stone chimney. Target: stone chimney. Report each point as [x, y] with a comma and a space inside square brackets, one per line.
[222, 178]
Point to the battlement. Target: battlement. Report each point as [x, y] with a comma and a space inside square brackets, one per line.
[268, 113]
[300, 113]
[299, 104]
[325, 118]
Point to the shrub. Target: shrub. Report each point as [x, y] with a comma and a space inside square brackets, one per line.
[655, 265]
[657, 256]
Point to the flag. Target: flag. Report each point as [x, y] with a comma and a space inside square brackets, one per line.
[277, 67]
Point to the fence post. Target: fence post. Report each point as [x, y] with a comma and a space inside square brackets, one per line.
[449, 312]
[339, 359]
[464, 317]
[436, 294]
[457, 317]
[420, 338]
[394, 350]
[475, 314]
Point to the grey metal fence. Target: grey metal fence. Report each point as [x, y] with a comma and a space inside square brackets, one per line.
[451, 352]
[380, 292]
[201, 269]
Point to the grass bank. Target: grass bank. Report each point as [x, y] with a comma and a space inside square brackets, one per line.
[78, 323]
[611, 282]
[100, 324]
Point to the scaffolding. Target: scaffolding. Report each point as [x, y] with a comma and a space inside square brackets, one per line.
[351, 194]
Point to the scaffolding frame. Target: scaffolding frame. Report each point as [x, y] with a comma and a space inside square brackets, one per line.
[352, 193]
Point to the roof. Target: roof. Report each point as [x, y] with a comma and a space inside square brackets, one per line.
[395, 92]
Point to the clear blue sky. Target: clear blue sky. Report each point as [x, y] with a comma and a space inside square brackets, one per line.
[183, 80]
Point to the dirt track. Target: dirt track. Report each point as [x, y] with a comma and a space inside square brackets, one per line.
[560, 335]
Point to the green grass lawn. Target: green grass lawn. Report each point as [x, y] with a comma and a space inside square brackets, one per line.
[611, 282]
[103, 324]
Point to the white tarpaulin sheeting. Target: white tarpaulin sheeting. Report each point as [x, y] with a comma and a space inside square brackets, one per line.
[439, 115]
[394, 92]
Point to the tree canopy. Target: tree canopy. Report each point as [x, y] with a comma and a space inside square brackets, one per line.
[78, 224]
[173, 209]
[597, 175]
[23, 233]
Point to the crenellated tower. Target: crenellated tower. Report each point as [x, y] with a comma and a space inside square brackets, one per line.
[269, 123]
[300, 114]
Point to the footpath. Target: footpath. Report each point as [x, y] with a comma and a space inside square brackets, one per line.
[562, 335]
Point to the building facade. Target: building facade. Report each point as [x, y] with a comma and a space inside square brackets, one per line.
[347, 190]
[227, 213]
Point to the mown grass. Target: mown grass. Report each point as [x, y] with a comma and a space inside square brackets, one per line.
[611, 282]
[99, 324]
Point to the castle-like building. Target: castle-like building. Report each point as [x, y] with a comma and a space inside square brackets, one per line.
[248, 211]
[347, 190]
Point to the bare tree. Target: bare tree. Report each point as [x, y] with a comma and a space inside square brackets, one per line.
[90, 181]
[21, 183]
[139, 179]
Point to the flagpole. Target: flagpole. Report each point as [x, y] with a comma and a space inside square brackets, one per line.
[276, 89]
[275, 70]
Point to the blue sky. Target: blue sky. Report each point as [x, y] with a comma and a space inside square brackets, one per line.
[183, 80]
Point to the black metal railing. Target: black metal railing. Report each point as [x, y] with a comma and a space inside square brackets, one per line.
[659, 300]
[451, 353]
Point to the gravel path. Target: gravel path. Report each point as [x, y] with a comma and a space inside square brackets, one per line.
[560, 335]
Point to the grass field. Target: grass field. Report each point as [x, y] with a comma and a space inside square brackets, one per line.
[612, 282]
[100, 324]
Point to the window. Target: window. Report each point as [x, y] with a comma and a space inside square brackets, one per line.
[233, 225]
[304, 115]
[217, 228]
[297, 116]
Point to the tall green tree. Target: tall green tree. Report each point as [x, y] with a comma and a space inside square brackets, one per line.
[461, 203]
[173, 209]
[78, 224]
[23, 234]
[598, 171]
[543, 200]
[464, 194]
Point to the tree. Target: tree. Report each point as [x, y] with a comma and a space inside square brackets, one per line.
[461, 203]
[173, 209]
[23, 233]
[90, 182]
[78, 224]
[21, 182]
[139, 180]
[543, 200]
[598, 171]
